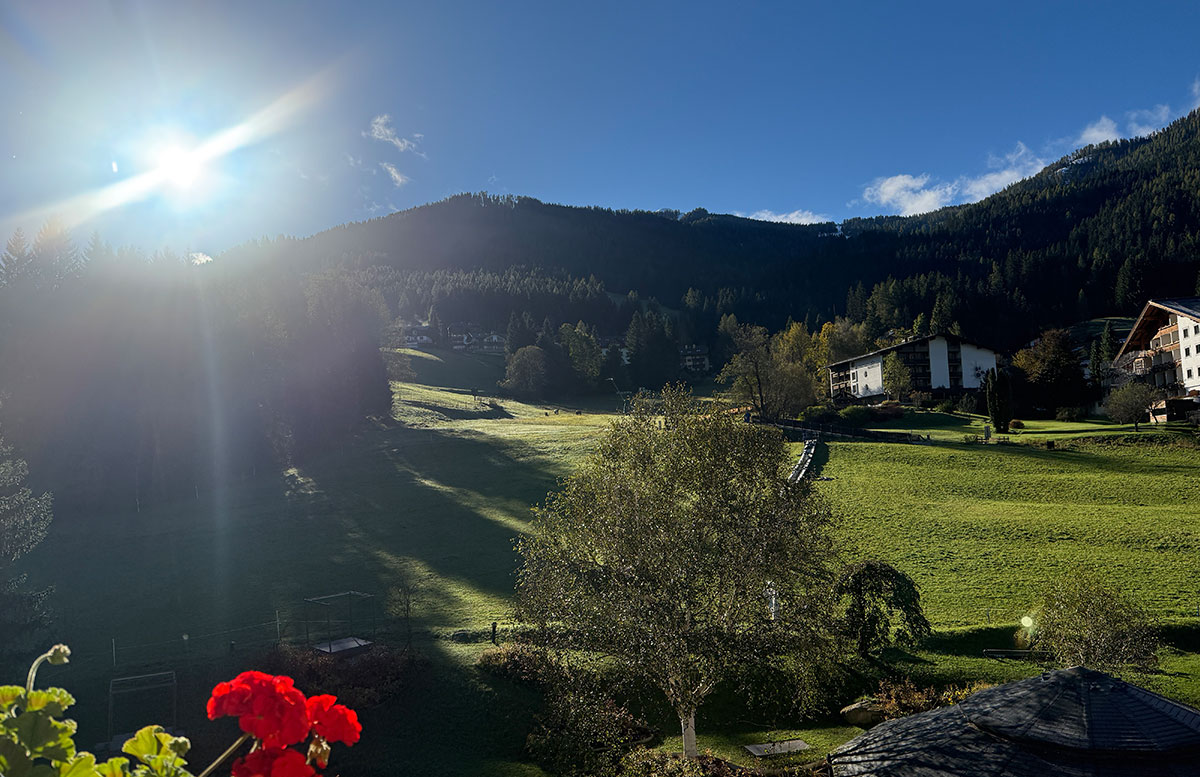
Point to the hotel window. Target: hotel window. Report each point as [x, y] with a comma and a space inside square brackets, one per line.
[1189, 372]
[1196, 329]
[1187, 351]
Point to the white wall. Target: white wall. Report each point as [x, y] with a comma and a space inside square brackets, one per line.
[1189, 354]
[939, 363]
[975, 358]
[870, 376]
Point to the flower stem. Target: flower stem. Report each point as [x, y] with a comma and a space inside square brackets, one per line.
[33, 671]
[224, 756]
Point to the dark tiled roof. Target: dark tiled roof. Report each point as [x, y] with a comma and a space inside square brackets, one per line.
[1188, 306]
[1070, 723]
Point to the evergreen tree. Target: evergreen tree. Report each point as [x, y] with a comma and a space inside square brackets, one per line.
[999, 399]
[1108, 343]
[15, 264]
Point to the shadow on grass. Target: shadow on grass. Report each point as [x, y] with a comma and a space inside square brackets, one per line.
[480, 411]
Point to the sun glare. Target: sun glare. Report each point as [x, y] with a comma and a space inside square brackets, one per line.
[179, 167]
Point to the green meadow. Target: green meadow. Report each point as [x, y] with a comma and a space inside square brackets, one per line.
[436, 495]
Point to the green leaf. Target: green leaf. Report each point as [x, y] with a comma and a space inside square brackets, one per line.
[144, 743]
[157, 749]
[14, 761]
[114, 767]
[82, 765]
[9, 696]
[53, 700]
[46, 737]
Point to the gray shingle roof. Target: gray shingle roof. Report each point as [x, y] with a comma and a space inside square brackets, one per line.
[1070, 723]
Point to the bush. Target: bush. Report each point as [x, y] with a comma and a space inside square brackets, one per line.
[819, 414]
[1070, 414]
[518, 662]
[888, 410]
[945, 406]
[969, 404]
[583, 730]
[855, 415]
[361, 681]
[1084, 620]
[642, 762]
[1016, 423]
[904, 697]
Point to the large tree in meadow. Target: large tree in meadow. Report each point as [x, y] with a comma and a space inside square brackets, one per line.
[680, 550]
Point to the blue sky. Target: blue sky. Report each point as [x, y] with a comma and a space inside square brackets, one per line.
[294, 117]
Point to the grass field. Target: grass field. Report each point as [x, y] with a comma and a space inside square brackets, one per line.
[437, 494]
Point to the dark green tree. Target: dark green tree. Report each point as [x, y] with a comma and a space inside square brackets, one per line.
[999, 399]
[526, 373]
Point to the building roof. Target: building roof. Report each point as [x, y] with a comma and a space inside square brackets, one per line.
[1070, 723]
[1150, 320]
[910, 341]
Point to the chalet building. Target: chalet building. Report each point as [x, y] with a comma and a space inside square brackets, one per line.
[939, 364]
[694, 358]
[1163, 349]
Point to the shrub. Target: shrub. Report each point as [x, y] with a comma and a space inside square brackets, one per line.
[642, 762]
[888, 410]
[583, 730]
[1070, 414]
[945, 406]
[1085, 620]
[969, 404]
[365, 680]
[1016, 423]
[855, 415]
[819, 414]
[904, 697]
[518, 662]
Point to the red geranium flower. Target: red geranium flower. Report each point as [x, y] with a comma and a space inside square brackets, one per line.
[334, 722]
[274, 762]
[268, 707]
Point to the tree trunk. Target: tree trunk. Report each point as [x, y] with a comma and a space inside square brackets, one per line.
[689, 735]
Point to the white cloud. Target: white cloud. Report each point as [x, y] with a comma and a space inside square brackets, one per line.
[795, 217]
[398, 177]
[1196, 93]
[198, 257]
[1100, 130]
[909, 194]
[1014, 166]
[381, 129]
[1147, 120]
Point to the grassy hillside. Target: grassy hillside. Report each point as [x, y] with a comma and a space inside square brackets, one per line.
[982, 528]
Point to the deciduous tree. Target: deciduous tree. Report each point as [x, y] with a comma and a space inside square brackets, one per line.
[680, 549]
[1130, 403]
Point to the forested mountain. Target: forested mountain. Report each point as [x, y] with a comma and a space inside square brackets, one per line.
[1092, 234]
[127, 377]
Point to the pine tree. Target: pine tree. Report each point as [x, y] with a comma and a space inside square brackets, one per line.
[999, 399]
[15, 264]
[1108, 343]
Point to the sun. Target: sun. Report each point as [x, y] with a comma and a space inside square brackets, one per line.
[179, 167]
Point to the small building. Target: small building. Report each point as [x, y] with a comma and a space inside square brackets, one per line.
[491, 343]
[1073, 722]
[939, 364]
[1163, 350]
[694, 358]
